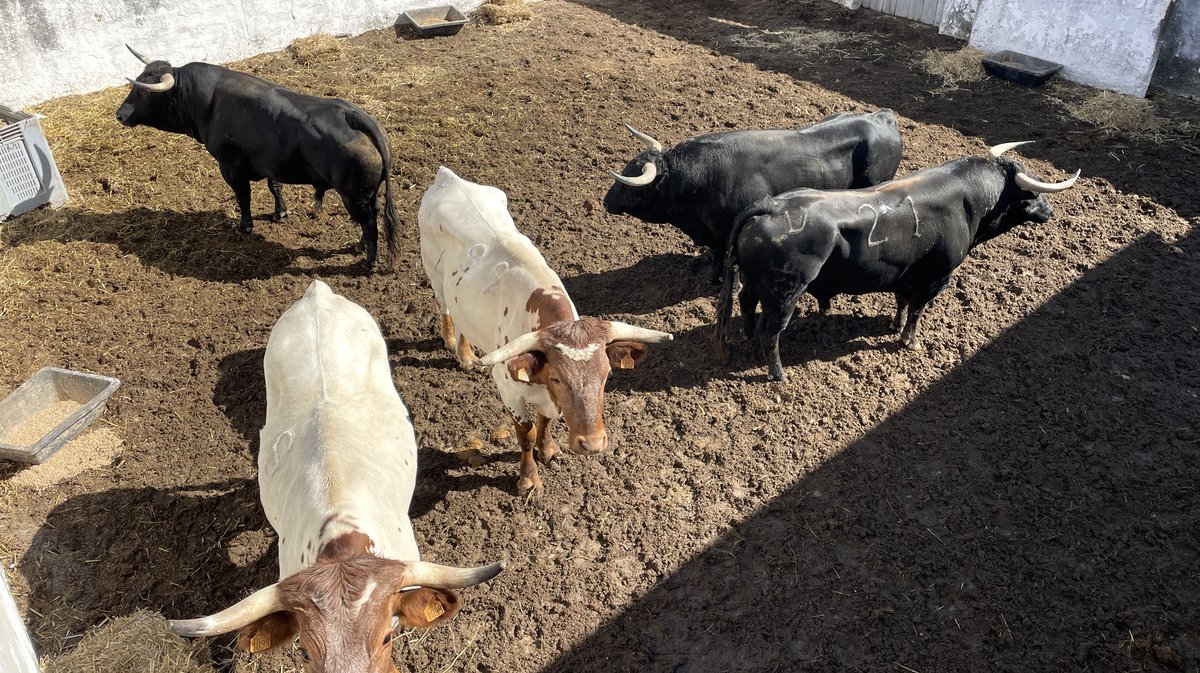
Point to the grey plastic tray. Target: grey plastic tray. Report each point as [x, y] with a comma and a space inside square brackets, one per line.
[47, 386]
[435, 21]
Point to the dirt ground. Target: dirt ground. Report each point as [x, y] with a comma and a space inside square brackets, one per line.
[1024, 495]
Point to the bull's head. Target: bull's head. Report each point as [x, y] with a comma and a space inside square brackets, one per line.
[633, 192]
[345, 612]
[573, 360]
[146, 103]
[1024, 198]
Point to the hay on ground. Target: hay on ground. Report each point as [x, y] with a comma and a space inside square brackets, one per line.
[314, 48]
[1114, 112]
[964, 65]
[139, 642]
[505, 11]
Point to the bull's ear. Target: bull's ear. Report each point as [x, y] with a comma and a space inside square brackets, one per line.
[626, 354]
[527, 367]
[277, 628]
[425, 607]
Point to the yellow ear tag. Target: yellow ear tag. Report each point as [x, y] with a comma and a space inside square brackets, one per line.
[523, 375]
[261, 641]
[433, 610]
[626, 362]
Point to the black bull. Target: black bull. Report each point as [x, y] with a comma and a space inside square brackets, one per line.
[701, 184]
[905, 236]
[256, 130]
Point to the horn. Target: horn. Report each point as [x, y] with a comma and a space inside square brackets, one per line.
[141, 58]
[619, 331]
[421, 573]
[1033, 185]
[996, 150]
[649, 172]
[164, 84]
[258, 604]
[651, 143]
[522, 344]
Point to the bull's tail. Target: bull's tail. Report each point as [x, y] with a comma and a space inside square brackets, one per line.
[362, 122]
[725, 299]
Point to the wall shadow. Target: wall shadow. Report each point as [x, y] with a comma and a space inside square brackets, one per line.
[183, 551]
[202, 245]
[875, 58]
[1036, 509]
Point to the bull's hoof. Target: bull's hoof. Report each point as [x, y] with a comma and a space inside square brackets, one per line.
[531, 486]
[777, 375]
[360, 247]
[469, 363]
[913, 344]
[281, 215]
[548, 451]
[245, 228]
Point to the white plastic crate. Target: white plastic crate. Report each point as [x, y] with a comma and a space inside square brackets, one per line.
[28, 176]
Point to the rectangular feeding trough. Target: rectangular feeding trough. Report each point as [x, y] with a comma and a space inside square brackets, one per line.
[1020, 68]
[49, 410]
[436, 21]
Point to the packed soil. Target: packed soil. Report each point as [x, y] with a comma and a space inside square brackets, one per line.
[1020, 496]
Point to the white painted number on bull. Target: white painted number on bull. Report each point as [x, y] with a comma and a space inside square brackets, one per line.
[916, 218]
[871, 243]
[791, 227]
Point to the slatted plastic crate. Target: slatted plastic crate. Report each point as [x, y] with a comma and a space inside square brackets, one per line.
[28, 176]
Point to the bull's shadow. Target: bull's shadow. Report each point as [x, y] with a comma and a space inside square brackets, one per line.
[199, 244]
[690, 360]
[877, 61]
[649, 284]
[184, 552]
[1036, 509]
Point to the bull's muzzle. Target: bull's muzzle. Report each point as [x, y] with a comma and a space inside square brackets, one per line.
[589, 445]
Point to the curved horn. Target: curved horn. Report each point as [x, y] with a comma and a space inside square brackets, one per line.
[649, 172]
[522, 344]
[996, 150]
[619, 331]
[421, 573]
[1034, 185]
[141, 58]
[164, 84]
[651, 143]
[258, 604]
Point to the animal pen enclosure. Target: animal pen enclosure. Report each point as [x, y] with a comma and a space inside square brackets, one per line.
[1022, 495]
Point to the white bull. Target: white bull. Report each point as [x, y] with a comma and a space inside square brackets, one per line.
[337, 466]
[496, 291]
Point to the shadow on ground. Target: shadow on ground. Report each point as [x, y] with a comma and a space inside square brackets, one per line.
[1037, 509]
[201, 245]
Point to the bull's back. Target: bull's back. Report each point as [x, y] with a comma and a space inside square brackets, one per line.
[337, 439]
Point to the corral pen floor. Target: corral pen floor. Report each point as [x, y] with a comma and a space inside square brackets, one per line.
[1022, 496]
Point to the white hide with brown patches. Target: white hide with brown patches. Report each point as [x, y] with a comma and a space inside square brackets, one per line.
[483, 272]
[338, 453]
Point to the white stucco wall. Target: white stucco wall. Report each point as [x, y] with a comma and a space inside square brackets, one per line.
[1179, 60]
[50, 48]
[957, 18]
[1111, 44]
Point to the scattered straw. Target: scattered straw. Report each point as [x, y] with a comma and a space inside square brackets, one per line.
[139, 642]
[1116, 113]
[505, 11]
[797, 39]
[964, 65]
[314, 48]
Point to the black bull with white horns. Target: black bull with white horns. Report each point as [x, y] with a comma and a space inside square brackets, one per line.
[702, 183]
[905, 236]
[256, 130]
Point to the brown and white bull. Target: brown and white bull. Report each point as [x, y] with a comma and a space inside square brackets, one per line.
[337, 466]
[496, 291]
